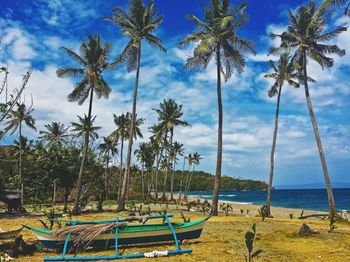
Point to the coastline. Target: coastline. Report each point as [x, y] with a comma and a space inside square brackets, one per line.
[277, 212]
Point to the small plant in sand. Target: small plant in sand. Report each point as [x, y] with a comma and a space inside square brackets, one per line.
[242, 211]
[263, 212]
[291, 215]
[247, 212]
[226, 208]
[249, 242]
[51, 220]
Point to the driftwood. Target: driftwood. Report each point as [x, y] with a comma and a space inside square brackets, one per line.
[313, 215]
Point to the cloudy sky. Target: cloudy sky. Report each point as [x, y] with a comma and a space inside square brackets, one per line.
[32, 33]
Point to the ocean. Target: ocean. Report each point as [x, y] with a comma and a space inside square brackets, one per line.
[312, 199]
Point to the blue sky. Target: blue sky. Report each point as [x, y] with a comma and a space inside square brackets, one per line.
[32, 33]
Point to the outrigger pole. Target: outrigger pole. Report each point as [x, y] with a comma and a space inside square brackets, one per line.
[116, 256]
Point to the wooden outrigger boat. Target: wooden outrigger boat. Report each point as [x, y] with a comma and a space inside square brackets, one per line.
[128, 234]
[9, 234]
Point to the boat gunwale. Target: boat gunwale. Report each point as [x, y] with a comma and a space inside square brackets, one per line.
[176, 225]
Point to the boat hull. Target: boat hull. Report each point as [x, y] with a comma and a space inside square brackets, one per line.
[131, 235]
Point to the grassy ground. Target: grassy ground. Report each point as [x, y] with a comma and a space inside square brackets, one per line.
[223, 239]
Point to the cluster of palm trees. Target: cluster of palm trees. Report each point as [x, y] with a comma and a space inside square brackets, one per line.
[216, 40]
[304, 40]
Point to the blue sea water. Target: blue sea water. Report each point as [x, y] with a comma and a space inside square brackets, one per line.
[312, 199]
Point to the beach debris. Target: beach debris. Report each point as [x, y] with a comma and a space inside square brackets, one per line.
[5, 257]
[305, 230]
[184, 218]
[249, 242]
[156, 253]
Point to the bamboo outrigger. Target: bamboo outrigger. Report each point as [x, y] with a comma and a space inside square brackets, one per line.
[123, 235]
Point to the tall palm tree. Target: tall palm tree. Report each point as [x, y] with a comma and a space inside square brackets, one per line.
[182, 176]
[55, 133]
[138, 22]
[109, 149]
[159, 143]
[14, 122]
[284, 72]
[190, 162]
[144, 155]
[217, 38]
[93, 61]
[169, 116]
[305, 37]
[176, 149]
[120, 133]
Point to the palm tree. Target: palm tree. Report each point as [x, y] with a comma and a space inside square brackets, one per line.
[85, 127]
[109, 149]
[176, 149]
[305, 36]
[145, 156]
[217, 38]
[138, 22]
[93, 61]
[284, 72]
[56, 134]
[120, 133]
[190, 162]
[169, 116]
[159, 142]
[182, 175]
[195, 161]
[14, 122]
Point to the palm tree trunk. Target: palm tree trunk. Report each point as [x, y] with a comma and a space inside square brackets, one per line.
[187, 181]
[66, 195]
[215, 201]
[331, 203]
[83, 161]
[121, 201]
[106, 177]
[142, 184]
[159, 157]
[190, 178]
[272, 155]
[20, 166]
[182, 175]
[168, 165]
[121, 166]
[172, 181]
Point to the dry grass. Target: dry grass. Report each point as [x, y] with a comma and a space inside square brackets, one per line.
[223, 239]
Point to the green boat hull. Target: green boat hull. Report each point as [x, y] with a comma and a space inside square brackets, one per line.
[130, 235]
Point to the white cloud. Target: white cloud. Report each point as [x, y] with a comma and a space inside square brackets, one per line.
[17, 43]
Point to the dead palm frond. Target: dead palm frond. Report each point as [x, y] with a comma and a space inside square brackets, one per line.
[83, 235]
